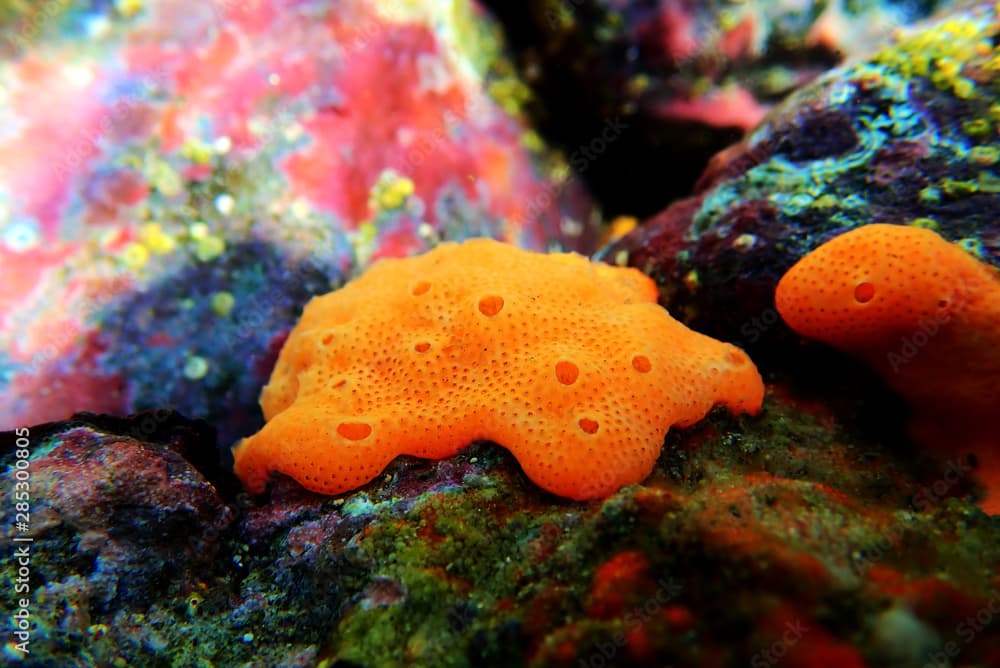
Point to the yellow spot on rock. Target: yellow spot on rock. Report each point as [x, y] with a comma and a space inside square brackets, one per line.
[209, 248]
[163, 177]
[948, 68]
[619, 227]
[638, 84]
[510, 93]
[531, 141]
[622, 225]
[153, 238]
[745, 242]
[964, 88]
[195, 368]
[129, 8]
[135, 255]
[925, 223]
[198, 230]
[392, 191]
[222, 303]
[984, 155]
[197, 151]
[994, 113]
[988, 182]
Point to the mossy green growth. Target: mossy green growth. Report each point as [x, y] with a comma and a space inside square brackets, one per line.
[946, 52]
[475, 566]
[470, 562]
[457, 556]
[925, 223]
[958, 189]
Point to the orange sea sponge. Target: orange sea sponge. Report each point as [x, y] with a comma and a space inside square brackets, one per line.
[923, 313]
[570, 365]
[920, 310]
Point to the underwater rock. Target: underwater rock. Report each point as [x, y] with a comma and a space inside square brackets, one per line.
[685, 77]
[788, 535]
[220, 164]
[116, 517]
[907, 136]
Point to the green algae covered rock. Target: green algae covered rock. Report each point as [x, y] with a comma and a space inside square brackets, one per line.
[788, 534]
[907, 136]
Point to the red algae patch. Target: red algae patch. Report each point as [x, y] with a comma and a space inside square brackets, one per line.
[569, 364]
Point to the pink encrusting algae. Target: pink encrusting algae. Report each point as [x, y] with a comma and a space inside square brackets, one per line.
[321, 137]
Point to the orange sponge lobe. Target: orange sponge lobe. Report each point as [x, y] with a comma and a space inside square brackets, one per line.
[920, 310]
[923, 313]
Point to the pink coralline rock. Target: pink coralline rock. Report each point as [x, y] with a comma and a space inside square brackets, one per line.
[235, 149]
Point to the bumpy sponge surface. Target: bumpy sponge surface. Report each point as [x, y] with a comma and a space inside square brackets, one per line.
[570, 365]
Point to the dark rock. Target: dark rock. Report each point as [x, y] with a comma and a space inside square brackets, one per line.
[140, 518]
[897, 138]
[686, 78]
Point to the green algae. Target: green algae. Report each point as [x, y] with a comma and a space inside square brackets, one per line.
[927, 100]
[485, 569]
[464, 551]
[456, 556]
